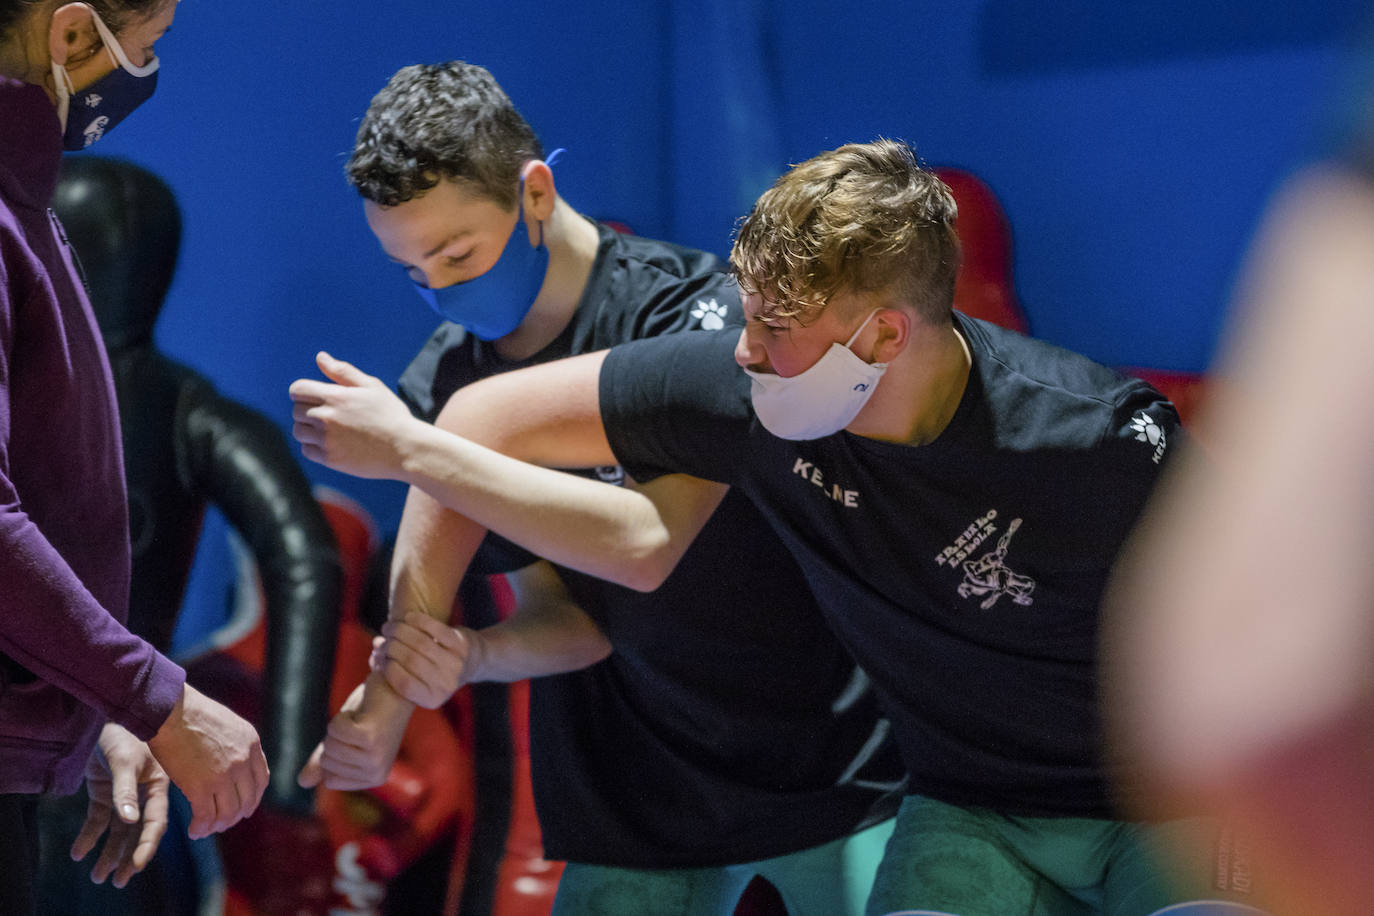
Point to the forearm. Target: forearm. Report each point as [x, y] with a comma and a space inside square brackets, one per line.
[506, 654]
[610, 532]
[547, 634]
[434, 547]
[547, 415]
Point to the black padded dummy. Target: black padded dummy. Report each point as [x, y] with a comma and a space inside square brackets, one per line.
[185, 447]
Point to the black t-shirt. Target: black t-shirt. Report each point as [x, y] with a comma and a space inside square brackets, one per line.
[964, 575]
[728, 725]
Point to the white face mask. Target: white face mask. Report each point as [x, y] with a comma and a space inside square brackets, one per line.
[820, 401]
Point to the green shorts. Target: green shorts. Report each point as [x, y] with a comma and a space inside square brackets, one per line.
[830, 880]
[947, 860]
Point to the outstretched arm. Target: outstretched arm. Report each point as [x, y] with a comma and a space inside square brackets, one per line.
[546, 414]
[474, 461]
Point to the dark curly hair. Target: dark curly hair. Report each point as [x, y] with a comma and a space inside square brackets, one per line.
[114, 13]
[437, 121]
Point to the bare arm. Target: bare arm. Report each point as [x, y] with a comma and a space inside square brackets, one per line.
[474, 461]
[547, 634]
[549, 413]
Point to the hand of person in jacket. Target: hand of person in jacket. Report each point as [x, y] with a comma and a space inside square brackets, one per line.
[128, 804]
[215, 758]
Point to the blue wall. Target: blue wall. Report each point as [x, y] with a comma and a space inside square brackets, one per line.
[1133, 148]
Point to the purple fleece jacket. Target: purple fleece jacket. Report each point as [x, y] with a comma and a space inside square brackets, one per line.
[67, 663]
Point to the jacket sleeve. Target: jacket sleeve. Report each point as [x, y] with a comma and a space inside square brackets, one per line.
[51, 625]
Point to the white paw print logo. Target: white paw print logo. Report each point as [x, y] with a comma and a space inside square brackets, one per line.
[710, 314]
[1147, 430]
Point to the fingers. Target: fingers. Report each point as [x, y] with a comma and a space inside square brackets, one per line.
[305, 424]
[261, 776]
[233, 802]
[238, 793]
[312, 774]
[128, 848]
[432, 627]
[411, 687]
[155, 808]
[431, 638]
[425, 659]
[307, 429]
[204, 815]
[315, 454]
[97, 819]
[435, 678]
[309, 392]
[124, 791]
[338, 370]
[349, 756]
[118, 849]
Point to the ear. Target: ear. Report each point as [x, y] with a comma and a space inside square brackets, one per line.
[72, 33]
[894, 326]
[540, 196]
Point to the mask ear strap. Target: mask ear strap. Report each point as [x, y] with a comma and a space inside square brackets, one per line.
[116, 50]
[855, 336]
[63, 88]
[549, 161]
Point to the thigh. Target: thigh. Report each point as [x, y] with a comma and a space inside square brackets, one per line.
[18, 853]
[943, 859]
[601, 890]
[831, 880]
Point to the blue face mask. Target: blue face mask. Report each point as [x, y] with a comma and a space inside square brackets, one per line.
[92, 112]
[492, 305]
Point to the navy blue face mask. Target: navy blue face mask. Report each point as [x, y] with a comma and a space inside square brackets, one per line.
[492, 305]
[89, 114]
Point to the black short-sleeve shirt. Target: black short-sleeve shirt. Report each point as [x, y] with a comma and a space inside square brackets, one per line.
[728, 724]
[965, 575]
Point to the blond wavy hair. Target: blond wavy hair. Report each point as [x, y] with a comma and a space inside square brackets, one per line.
[863, 219]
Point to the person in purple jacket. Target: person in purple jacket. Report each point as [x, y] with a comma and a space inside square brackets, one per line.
[80, 696]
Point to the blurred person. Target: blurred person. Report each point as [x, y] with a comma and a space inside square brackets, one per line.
[1242, 626]
[80, 696]
[684, 741]
[954, 492]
